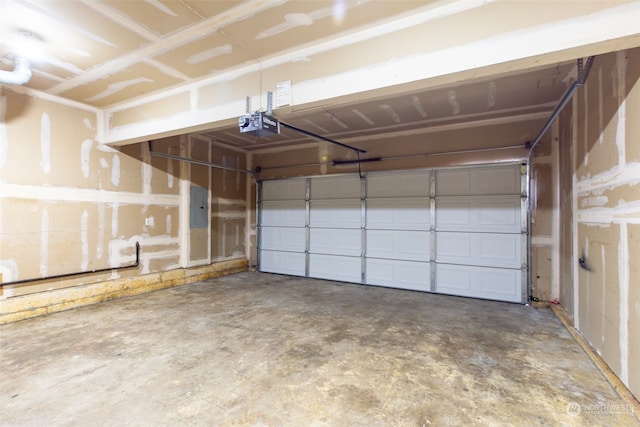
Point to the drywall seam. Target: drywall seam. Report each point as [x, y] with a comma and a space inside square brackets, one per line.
[115, 170]
[147, 169]
[172, 41]
[624, 212]
[24, 90]
[70, 194]
[628, 174]
[623, 272]
[114, 219]
[122, 20]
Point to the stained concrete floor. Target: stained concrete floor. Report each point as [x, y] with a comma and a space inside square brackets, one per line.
[266, 350]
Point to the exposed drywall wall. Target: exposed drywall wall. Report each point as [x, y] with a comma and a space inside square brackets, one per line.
[71, 205]
[229, 204]
[606, 203]
[543, 206]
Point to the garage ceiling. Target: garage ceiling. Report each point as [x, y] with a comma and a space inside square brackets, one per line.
[106, 52]
[499, 99]
[110, 54]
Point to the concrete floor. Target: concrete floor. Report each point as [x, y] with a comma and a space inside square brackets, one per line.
[257, 349]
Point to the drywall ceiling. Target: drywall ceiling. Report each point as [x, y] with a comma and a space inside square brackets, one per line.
[106, 52]
[500, 99]
[153, 68]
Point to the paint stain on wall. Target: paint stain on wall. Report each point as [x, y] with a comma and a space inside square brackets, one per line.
[115, 170]
[85, 155]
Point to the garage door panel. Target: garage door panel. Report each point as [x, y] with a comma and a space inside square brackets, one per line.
[397, 244]
[336, 213]
[484, 282]
[398, 214]
[348, 269]
[477, 181]
[284, 213]
[336, 187]
[282, 262]
[291, 189]
[335, 241]
[284, 239]
[398, 274]
[399, 184]
[496, 250]
[477, 214]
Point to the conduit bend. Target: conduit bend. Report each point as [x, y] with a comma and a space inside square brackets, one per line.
[20, 75]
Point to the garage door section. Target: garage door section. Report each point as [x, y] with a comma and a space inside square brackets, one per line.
[283, 218]
[398, 236]
[335, 228]
[479, 233]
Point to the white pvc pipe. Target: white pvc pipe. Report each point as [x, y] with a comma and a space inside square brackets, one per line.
[20, 75]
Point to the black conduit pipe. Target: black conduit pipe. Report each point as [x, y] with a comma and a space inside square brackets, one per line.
[61, 276]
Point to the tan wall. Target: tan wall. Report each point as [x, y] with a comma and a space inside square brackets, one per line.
[567, 259]
[229, 204]
[544, 207]
[604, 136]
[420, 150]
[71, 205]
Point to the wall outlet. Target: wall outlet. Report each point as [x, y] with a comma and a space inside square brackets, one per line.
[149, 221]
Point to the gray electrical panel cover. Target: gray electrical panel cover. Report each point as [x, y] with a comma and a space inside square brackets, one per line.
[198, 209]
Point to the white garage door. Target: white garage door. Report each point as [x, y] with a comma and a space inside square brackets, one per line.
[451, 231]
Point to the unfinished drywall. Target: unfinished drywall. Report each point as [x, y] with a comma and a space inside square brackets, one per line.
[606, 211]
[422, 148]
[228, 204]
[543, 189]
[566, 258]
[71, 205]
